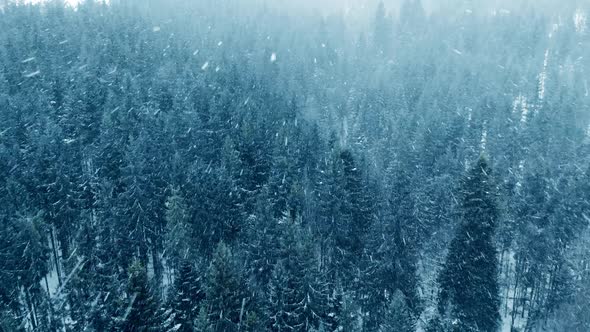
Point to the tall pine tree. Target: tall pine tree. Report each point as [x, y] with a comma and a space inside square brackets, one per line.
[469, 279]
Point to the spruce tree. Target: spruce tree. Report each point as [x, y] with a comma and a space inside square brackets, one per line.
[398, 316]
[357, 206]
[141, 314]
[188, 295]
[226, 293]
[298, 297]
[391, 269]
[383, 29]
[178, 230]
[469, 279]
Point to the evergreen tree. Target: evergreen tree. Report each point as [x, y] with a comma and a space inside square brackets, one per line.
[225, 292]
[215, 208]
[142, 312]
[298, 295]
[469, 279]
[355, 217]
[178, 235]
[187, 297]
[398, 316]
[105, 107]
[357, 207]
[383, 30]
[23, 266]
[202, 323]
[391, 269]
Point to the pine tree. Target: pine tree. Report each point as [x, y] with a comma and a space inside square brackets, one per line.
[435, 325]
[178, 236]
[412, 14]
[391, 269]
[329, 200]
[226, 292]
[469, 279]
[82, 288]
[23, 264]
[215, 209]
[353, 220]
[383, 30]
[142, 311]
[398, 316]
[202, 323]
[356, 206]
[261, 247]
[298, 297]
[107, 279]
[188, 295]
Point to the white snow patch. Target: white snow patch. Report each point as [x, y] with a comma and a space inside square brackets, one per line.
[51, 282]
[517, 102]
[484, 139]
[543, 76]
[522, 104]
[520, 175]
[508, 273]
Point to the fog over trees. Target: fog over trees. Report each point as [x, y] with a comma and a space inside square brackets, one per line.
[248, 165]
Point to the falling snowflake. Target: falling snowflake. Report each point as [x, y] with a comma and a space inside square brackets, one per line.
[33, 74]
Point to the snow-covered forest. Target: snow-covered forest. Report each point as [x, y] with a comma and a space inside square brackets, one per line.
[242, 165]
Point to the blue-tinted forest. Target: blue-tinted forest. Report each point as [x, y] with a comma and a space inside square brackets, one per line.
[178, 165]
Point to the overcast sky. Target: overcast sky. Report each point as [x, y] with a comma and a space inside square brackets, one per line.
[357, 6]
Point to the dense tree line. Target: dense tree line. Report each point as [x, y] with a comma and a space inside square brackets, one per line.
[214, 166]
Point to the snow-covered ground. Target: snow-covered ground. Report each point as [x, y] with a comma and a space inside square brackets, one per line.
[509, 294]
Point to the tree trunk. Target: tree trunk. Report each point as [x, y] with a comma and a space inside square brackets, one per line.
[31, 309]
[55, 255]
